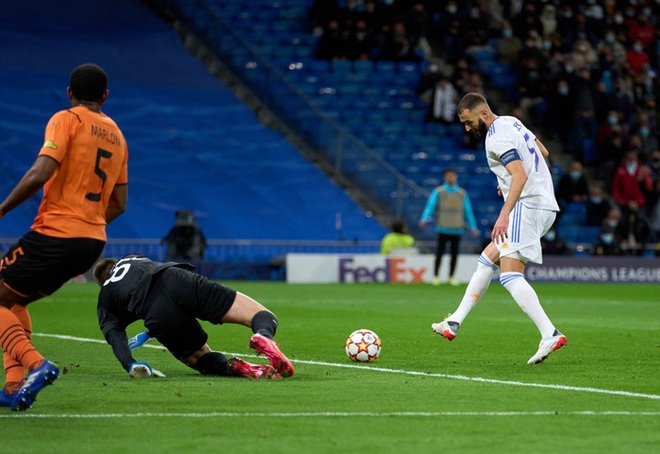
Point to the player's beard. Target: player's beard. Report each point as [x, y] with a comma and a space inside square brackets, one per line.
[481, 130]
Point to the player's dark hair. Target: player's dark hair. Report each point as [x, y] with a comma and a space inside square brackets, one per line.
[398, 226]
[88, 82]
[470, 102]
[102, 268]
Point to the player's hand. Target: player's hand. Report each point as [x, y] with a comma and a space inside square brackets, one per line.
[139, 340]
[499, 233]
[143, 370]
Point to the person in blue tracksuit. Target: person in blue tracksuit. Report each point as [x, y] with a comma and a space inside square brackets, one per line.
[450, 205]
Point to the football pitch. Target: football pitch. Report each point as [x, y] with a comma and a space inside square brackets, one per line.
[601, 393]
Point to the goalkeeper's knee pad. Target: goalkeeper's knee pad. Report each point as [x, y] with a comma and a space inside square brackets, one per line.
[213, 363]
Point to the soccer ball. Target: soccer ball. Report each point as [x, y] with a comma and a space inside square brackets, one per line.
[363, 346]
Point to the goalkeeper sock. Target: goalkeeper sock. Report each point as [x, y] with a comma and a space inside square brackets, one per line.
[264, 323]
[526, 298]
[477, 286]
[213, 363]
[15, 341]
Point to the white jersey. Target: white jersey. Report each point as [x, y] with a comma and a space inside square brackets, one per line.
[508, 139]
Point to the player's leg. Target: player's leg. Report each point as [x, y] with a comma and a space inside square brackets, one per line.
[24, 356]
[526, 247]
[14, 338]
[454, 241]
[248, 312]
[487, 265]
[37, 266]
[439, 250]
[208, 362]
[14, 371]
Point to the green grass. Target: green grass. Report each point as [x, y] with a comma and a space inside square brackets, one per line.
[476, 394]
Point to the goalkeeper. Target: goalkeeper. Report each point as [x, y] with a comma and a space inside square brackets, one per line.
[170, 298]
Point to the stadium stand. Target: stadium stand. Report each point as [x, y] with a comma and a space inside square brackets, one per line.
[193, 145]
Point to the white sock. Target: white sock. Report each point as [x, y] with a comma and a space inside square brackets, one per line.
[477, 286]
[526, 298]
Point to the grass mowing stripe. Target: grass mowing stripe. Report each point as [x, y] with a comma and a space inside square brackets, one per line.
[324, 414]
[416, 373]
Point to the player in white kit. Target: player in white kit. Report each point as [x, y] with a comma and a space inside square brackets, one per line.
[517, 158]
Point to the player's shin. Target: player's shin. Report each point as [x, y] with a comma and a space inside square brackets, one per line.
[476, 288]
[527, 299]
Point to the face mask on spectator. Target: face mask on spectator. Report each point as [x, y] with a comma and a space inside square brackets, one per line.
[618, 19]
[550, 236]
[575, 175]
[644, 132]
[596, 200]
[607, 238]
[563, 90]
[451, 9]
[631, 167]
[507, 33]
[568, 68]
[610, 38]
[637, 47]
[612, 119]
[612, 223]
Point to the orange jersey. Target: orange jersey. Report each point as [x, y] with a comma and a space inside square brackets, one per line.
[93, 158]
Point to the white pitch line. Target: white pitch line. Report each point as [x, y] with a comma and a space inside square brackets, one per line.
[417, 373]
[321, 414]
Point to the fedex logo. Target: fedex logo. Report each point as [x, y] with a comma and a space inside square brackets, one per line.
[393, 270]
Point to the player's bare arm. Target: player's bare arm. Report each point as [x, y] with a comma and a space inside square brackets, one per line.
[33, 180]
[544, 151]
[518, 180]
[117, 202]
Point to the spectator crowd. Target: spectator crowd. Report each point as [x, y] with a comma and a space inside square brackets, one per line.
[585, 76]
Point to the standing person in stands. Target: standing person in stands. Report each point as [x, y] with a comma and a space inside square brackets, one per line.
[83, 170]
[517, 158]
[450, 204]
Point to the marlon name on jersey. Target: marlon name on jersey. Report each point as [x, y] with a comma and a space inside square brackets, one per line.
[104, 134]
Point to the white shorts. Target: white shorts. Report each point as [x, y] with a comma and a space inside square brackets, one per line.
[526, 227]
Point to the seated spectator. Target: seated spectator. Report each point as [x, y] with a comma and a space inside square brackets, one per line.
[358, 41]
[397, 45]
[320, 12]
[397, 238]
[584, 55]
[331, 45]
[597, 207]
[647, 139]
[636, 57]
[573, 186]
[551, 244]
[608, 243]
[508, 46]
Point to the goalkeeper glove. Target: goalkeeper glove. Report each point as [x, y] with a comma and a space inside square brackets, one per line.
[139, 340]
[143, 370]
